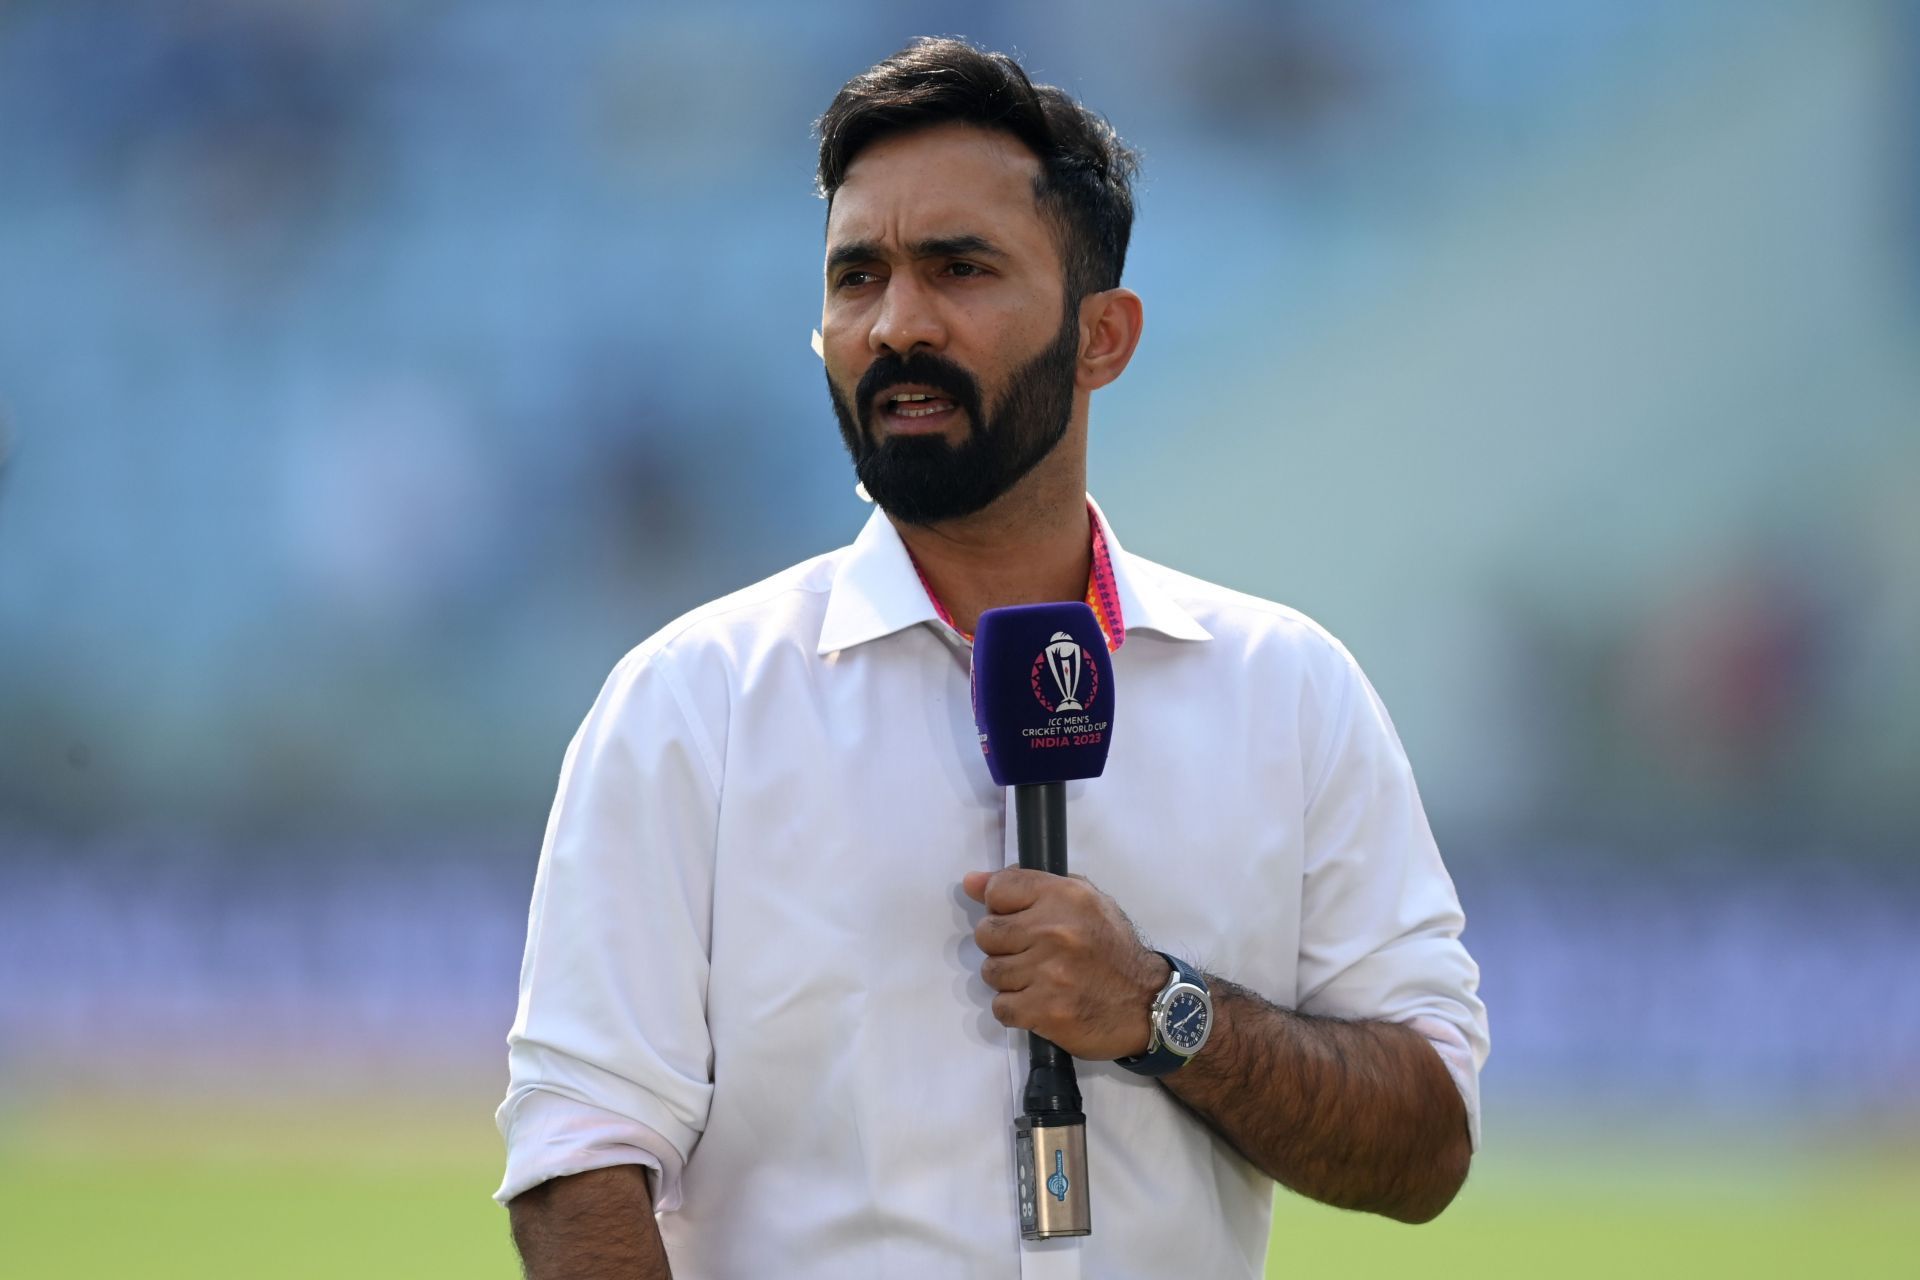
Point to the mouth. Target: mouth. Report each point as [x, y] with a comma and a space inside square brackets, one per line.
[915, 410]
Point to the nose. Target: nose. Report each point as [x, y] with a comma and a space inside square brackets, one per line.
[908, 318]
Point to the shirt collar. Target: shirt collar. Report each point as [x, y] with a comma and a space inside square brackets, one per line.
[1144, 603]
[877, 591]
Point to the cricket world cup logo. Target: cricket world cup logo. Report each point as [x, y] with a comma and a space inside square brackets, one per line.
[1066, 668]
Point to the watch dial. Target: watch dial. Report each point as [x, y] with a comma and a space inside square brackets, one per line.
[1186, 1022]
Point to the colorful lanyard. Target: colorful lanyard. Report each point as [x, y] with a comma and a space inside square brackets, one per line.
[1103, 594]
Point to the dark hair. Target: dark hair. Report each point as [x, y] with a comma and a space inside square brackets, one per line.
[1086, 172]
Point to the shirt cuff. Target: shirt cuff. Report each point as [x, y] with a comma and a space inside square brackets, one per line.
[551, 1136]
[1451, 1044]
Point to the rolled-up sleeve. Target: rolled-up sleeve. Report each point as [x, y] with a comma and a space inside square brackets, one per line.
[1380, 920]
[609, 1057]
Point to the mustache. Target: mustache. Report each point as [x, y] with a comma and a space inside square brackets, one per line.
[934, 372]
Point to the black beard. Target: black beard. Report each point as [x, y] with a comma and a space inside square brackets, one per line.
[923, 479]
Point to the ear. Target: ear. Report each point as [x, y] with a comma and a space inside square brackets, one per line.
[1110, 329]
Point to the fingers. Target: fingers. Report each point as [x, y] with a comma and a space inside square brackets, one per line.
[1013, 889]
[1027, 907]
[1055, 1015]
[1007, 1011]
[1006, 894]
[1006, 973]
[1001, 936]
[1063, 962]
[1017, 888]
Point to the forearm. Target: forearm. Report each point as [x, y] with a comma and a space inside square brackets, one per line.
[1360, 1115]
[590, 1226]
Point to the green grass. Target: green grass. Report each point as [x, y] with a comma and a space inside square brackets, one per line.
[163, 1221]
[1678, 1211]
[351, 1190]
[342, 1191]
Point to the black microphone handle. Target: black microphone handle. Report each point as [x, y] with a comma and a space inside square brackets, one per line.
[1040, 826]
[1040, 822]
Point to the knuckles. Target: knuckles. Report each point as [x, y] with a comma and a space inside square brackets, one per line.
[996, 972]
[1050, 934]
[1064, 935]
[1018, 888]
[1013, 889]
[998, 935]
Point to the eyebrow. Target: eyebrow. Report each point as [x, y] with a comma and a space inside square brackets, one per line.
[960, 246]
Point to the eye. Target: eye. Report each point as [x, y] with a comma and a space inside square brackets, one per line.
[852, 279]
[965, 270]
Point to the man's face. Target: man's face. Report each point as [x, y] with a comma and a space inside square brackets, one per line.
[949, 346]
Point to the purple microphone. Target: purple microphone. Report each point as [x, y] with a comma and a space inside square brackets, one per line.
[1042, 693]
[1043, 702]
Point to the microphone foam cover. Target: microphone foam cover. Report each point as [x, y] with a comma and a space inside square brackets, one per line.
[1042, 693]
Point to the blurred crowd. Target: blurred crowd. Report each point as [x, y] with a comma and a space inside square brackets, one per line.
[1712, 988]
[372, 375]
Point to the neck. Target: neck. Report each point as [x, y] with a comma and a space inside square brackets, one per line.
[1030, 546]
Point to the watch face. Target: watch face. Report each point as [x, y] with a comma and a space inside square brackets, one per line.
[1185, 1024]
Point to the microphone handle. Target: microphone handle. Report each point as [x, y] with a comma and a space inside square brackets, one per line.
[1040, 826]
[1040, 823]
[1050, 1140]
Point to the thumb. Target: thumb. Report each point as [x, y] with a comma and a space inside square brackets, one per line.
[974, 885]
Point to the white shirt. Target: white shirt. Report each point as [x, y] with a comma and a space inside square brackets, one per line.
[750, 966]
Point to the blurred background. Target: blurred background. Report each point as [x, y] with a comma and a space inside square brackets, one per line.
[374, 374]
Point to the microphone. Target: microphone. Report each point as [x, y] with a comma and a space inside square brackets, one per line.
[1043, 703]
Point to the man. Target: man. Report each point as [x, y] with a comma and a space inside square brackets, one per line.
[778, 969]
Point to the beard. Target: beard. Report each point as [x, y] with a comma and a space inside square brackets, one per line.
[924, 479]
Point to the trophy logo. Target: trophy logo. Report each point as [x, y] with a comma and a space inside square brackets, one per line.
[1064, 660]
[1065, 676]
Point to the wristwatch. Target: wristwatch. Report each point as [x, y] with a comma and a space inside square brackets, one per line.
[1180, 1020]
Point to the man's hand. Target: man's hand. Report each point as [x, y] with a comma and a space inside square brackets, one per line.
[1066, 962]
[1357, 1114]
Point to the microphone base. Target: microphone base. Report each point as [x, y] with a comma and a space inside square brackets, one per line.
[1050, 1170]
